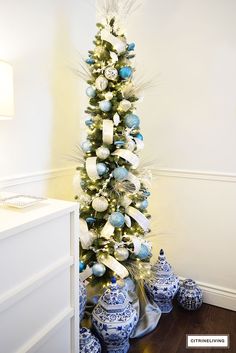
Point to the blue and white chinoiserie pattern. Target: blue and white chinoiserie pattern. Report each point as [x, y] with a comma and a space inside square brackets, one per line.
[82, 299]
[114, 319]
[163, 284]
[88, 343]
[190, 295]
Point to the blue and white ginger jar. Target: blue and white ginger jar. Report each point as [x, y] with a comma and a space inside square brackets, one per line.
[163, 284]
[114, 319]
[88, 343]
[82, 299]
[190, 295]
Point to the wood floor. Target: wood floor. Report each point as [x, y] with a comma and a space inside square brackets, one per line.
[169, 336]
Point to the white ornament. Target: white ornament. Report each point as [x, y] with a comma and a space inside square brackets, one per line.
[116, 119]
[100, 204]
[101, 83]
[111, 73]
[102, 152]
[85, 198]
[130, 145]
[121, 254]
[125, 105]
[108, 96]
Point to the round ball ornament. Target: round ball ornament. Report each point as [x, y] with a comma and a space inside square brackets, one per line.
[101, 83]
[86, 146]
[91, 92]
[100, 204]
[144, 252]
[125, 105]
[130, 145]
[132, 121]
[131, 46]
[139, 136]
[111, 73]
[125, 72]
[142, 205]
[117, 219]
[121, 254]
[90, 61]
[120, 173]
[102, 152]
[101, 168]
[105, 106]
[98, 270]
[82, 266]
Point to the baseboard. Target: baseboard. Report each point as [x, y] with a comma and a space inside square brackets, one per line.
[35, 177]
[218, 296]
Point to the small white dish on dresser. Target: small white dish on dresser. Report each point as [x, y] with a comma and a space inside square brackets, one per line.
[20, 201]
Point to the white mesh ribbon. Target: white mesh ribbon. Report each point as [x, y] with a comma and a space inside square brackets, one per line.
[139, 217]
[115, 266]
[107, 131]
[76, 183]
[86, 237]
[139, 144]
[137, 244]
[86, 274]
[91, 168]
[128, 156]
[118, 44]
[107, 230]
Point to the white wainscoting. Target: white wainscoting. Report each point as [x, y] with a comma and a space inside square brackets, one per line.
[174, 196]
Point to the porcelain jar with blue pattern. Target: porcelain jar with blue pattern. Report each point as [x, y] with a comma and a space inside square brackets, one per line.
[88, 343]
[163, 284]
[82, 299]
[114, 319]
[190, 295]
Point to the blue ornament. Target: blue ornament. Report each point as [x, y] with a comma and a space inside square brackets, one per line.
[146, 193]
[101, 168]
[82, 266]
[86, 146]
[117, 219]
[139, 136]
[131, 46]
[142, 204]
[89, 122]
[132, 121]
[144, 252]
[125, 72]
[105, 106]
[120, 173]
[90, 61]
[91, 92]
[90, 220]
[98, 270]
[119, 143]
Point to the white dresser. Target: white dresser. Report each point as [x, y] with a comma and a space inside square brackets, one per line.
[39, 278]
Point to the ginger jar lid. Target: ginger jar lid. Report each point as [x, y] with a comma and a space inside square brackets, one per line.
[162, 267]
[114, 298]
[189, 284]
[85, 334]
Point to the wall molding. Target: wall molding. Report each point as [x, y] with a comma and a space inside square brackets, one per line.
[159, 172]
[13, 295]
[36, 177]
[218, 296]
[196, 174]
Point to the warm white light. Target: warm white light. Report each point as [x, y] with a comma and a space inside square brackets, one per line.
[6, 91]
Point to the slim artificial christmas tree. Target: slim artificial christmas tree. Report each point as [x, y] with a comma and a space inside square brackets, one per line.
[113, 188]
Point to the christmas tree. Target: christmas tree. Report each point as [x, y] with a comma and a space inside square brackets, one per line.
[114, 191]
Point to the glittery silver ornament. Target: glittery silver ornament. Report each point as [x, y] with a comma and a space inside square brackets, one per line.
[111, 73]
[101, 83]
[125, 105]
[102, 152]
[121, 254]
[100, 204]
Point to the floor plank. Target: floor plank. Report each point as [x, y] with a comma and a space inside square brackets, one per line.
[170, 334]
